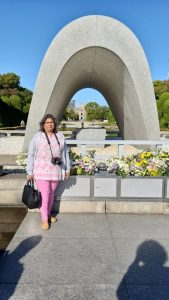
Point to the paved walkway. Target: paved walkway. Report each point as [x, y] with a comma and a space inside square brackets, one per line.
[88, 256]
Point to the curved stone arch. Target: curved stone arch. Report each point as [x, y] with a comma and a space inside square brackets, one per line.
[101, 53]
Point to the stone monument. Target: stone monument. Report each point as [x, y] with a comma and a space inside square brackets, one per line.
[91, 134]
[101, 53]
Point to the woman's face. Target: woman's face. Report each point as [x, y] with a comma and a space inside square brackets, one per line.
[49, 125]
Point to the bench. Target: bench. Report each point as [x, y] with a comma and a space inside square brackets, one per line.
[7, 160]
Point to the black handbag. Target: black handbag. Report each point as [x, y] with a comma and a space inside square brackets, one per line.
[31, 197]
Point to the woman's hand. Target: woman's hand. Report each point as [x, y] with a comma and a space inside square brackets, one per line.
[67, 175]
[30, 177]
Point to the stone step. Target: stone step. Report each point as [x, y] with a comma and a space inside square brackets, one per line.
[12, 183]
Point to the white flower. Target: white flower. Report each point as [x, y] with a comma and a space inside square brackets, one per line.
[22, 159]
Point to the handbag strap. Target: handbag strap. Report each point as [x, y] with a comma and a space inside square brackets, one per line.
[30, 182]
[50, 143]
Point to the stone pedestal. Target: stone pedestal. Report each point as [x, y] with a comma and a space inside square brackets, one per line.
[93, 134]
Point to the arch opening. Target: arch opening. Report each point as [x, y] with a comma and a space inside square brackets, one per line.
[104, 71]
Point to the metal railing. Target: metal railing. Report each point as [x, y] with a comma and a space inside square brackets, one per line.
[120, 144]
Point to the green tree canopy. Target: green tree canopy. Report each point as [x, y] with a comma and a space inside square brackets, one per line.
[13, 94]
[70, 114]
[111, 118]
[163, 109]
[96, 112]
[92, 111]
[160, 87]
[9, 80]
[10, 116]
[16, 98]
[15, 101]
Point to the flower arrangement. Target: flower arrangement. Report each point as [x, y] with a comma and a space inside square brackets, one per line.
[143, 163]
[82, 165]
[117, 166]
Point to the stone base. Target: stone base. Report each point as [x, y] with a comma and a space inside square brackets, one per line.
[137, 207]
[79, 206]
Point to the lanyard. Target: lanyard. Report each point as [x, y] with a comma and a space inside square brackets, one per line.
[50, 143]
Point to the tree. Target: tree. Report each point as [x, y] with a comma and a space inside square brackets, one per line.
[6, 99]
[13, 94]
[26, 97]
[9, 80]
[163, 110]
[66, 115]
[14, 98]
[73, 116]
[92, 111]
[111, 118]
[160, 87]
[16, 102]
[96, 112]
[10, 116]
[104, 112]
[70, 114]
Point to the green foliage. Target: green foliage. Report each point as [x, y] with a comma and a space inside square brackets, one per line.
[6, 99]
[103, 113]
[111, 117]
[72, 115]
[26, 97]
[16, 97]
[163, 110]
[16, 102]
[160, 87]
[66, 115]
[69, 114]
[26, 108]
[92, 111]
[9, 80]
[164, 97]
[96, 112]
[10, 116]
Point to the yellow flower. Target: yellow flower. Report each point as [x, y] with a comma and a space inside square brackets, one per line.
[142, 155]
[86, 159]
[143, 162]
[148, 154]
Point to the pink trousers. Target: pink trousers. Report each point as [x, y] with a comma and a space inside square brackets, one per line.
[47, 189]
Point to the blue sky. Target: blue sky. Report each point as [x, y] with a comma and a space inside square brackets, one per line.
[27, 28]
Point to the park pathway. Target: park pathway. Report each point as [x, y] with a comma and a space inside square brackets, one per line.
[88, 256]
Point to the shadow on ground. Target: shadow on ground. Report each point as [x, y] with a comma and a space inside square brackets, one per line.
[11, 267]
[147, 277]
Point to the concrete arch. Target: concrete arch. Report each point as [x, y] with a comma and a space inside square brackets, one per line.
[101, 53]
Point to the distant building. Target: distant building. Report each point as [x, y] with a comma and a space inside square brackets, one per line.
[81, 112]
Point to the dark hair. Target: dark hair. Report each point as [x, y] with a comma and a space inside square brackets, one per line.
[42, 122]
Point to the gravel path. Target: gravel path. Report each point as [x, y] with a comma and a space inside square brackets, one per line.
[11, 145]
[14, 144]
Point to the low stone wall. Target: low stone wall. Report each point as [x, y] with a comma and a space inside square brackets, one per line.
[96, 194]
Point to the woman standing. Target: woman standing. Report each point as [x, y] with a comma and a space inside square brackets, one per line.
[48, 163]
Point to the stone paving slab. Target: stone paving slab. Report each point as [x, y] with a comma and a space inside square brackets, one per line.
[60, 292]
[70, 261]
[88, 256]
[74, 226]
[143, 226]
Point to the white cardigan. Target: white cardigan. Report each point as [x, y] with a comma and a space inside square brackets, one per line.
[33, 151]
